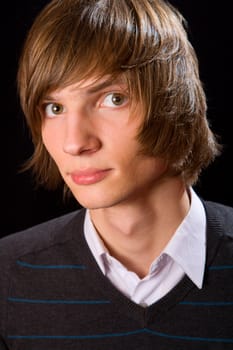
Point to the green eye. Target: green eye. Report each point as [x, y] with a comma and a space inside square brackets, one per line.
[53, 109]
[115, 100]
[56, 108]
[118, 99]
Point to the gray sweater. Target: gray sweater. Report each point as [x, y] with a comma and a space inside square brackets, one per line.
[53, 295]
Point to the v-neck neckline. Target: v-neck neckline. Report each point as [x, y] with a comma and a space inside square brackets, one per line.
[144, 315]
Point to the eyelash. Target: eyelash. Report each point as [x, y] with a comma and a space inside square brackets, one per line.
[51, 113]
[115, 95]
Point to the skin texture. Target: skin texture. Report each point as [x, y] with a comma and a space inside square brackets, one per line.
[90, 131]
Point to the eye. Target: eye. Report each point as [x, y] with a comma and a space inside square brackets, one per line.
[115, 99]
[53, 109]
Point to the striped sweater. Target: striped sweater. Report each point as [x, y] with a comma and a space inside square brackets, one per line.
[53, 295]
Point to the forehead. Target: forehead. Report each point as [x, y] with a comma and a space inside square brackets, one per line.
[91, 85]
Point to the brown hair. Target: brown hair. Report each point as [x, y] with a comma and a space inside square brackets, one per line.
[146, 41]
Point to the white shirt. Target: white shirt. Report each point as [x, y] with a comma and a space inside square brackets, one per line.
[185, 253]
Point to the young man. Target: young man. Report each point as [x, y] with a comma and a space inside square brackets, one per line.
[112, 96]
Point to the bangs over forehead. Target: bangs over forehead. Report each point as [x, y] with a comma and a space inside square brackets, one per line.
[86, 38]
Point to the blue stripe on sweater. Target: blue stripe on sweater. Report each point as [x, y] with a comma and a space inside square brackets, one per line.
[53, 301]
[94, 336]
[221, 267]
[184, 337]
[207, 303]
[123, 334]
[32, 266]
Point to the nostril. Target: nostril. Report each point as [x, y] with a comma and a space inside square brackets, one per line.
[91, 145]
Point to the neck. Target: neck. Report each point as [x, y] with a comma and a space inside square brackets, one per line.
[136, 234]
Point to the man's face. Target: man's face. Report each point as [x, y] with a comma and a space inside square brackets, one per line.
[90, 132]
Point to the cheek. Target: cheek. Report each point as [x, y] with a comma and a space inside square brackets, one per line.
[44, 132]
[46, 139]
[148, 168]
[50, 140]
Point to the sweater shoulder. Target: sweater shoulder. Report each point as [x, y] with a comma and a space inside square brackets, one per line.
[221, 215]
[40, 244]
[39, 237]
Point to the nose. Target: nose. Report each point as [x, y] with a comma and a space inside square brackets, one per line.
[80, 136]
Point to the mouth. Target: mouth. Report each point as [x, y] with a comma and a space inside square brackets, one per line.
[89, 176]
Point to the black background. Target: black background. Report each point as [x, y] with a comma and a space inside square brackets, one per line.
[210, 31]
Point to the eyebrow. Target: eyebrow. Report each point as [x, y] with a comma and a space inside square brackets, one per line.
[96, 88]
[104, 84]
[101, 86]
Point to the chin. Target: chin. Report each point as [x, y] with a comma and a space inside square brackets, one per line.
[94, 202]
[100, 201]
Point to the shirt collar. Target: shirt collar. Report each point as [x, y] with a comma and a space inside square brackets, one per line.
[187, 246]
[95, 243]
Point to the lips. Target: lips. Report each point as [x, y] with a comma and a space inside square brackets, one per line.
[89, 176]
